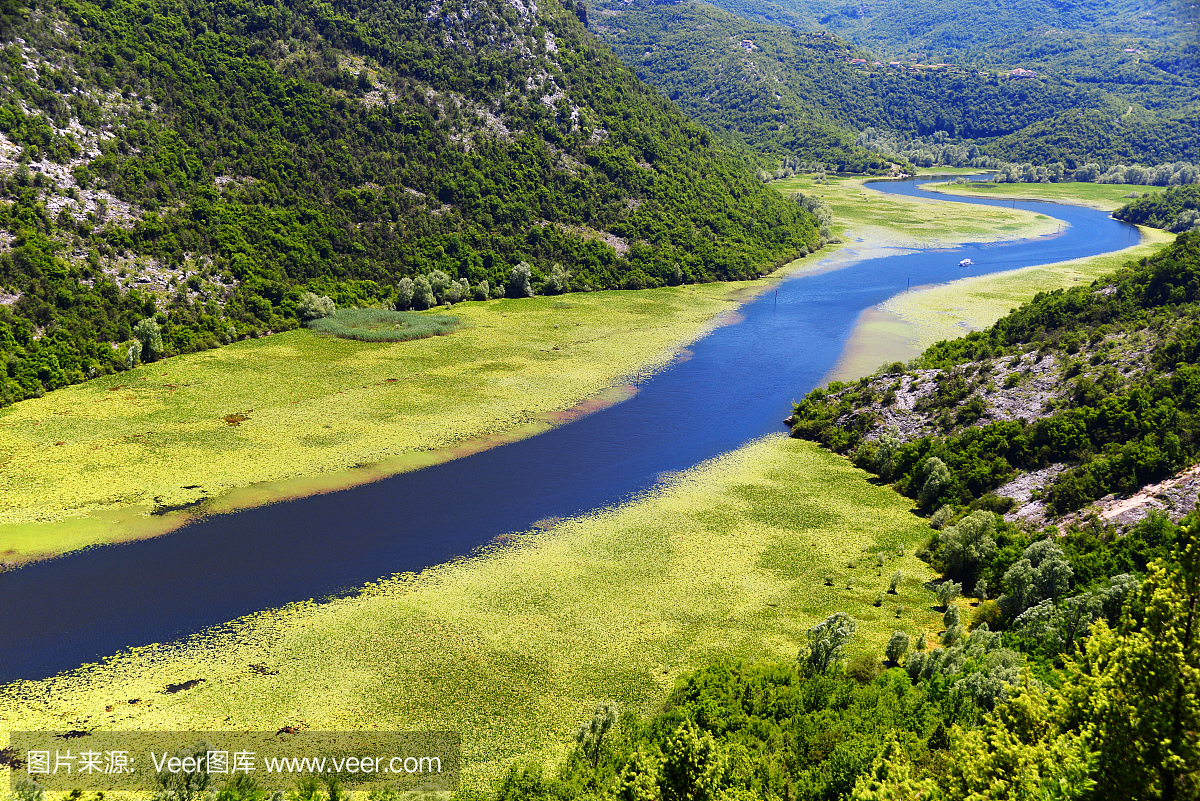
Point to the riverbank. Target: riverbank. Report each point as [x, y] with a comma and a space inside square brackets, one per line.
[870, 218]
[735, 558]
[905, 325]
[135, 454]
[1105, 197]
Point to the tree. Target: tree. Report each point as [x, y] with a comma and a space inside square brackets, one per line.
[936, 477]
[1042, 573]
[482, 290]
[894, 582]
[404, 293]
[558, 282]
[149, 335]
[890, 778]
[313, 306]
[1136, 688]
[967, 544]
[897, 647]
[693, 767]
[827, 642]
[591, 734]
[423, 297]
[439, 283]
[1018, 752]
[518, 284]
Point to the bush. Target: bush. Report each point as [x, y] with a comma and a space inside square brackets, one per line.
[404, 293]
[947, 591]
[384, 325]
[518, 284]
[864, 667]
[482, 290]
[423, 296]
[313, 306]
[149, 335]
[894, 582]
[827, 642]
[897, 647]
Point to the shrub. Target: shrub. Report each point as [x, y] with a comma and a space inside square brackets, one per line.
[133, 355]
[894, 582]
[518, 284]
[879, 599]
[947, 591]
[404, 293]
[423, 296]
[936, 478]
[313, 306]
[482, 290]
[439, 284]
[897, 647]
[864, 667]
[149, 335]
[827, 642]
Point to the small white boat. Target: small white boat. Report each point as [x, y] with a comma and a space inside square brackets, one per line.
[965, 263]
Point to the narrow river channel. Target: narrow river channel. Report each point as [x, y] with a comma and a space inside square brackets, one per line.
[736, 386]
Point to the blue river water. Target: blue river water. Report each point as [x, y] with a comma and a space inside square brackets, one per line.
[736, 386]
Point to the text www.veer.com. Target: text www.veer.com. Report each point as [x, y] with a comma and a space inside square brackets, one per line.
[353, 764]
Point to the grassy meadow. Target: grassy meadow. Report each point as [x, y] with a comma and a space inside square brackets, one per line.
[296, 412]
[946, 311]
[1106, 197]
[515, 647]
[879, 220]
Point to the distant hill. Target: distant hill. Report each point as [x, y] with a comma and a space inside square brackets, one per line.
[203, 164]
[797, 93]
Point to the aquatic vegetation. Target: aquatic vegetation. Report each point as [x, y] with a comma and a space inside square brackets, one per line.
[384, 325]
[516, 646]
[309, 405]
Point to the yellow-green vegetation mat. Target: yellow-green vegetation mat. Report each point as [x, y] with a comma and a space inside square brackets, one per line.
[1106, 197]
[100, 455]
[895, 221]
[947, 311]
[516, 647]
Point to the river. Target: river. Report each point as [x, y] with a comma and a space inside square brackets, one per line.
[735, 386]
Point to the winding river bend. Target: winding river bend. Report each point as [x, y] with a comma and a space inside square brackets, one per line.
[736, 386]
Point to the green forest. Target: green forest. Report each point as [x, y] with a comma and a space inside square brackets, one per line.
[1096, 704]
[254, 150]
[796, 93]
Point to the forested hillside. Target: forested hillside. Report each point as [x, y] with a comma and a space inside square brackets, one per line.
[198, 165]
[1075, 396]
[798, 93]
[1177, 209]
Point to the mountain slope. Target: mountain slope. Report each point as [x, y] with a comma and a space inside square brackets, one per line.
[807, 96]
[1072, 397]
[202, 163]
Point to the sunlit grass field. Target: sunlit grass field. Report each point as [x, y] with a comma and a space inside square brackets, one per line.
[515, 648]
[1106, 197]
[947, 311]
[893, 221]
[85, 464]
